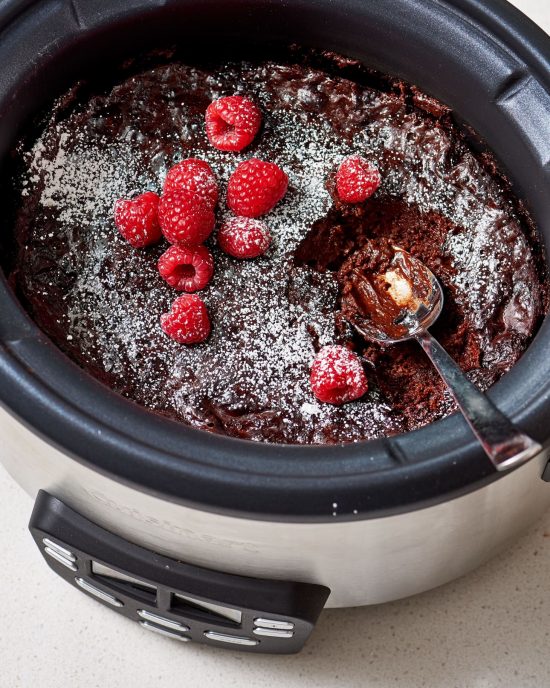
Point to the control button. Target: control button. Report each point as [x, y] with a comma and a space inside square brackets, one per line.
[66, 553]
[162, 620]
[61, 559]
[97, 592]
[274, 623]
[234, 639]
[273, 632]
[164, 631]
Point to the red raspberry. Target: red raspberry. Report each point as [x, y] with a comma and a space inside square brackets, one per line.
[337, 375]
[186, 269]
[242, 237]
[188, 321]
[356, 180]
[194, 177]
[185, 219]
[255, 187]
[137, 219]
[232, 122]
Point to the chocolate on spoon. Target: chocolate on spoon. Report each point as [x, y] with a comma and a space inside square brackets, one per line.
[390, 296]
[387, 294]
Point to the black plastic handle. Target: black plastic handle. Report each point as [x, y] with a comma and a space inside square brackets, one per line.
[179, 600]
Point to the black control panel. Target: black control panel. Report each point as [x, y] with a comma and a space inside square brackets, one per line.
[169, 597]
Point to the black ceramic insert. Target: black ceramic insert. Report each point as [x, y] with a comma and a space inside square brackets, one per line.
[485, 60]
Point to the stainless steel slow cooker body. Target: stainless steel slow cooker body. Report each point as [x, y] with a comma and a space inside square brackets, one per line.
[373, 521]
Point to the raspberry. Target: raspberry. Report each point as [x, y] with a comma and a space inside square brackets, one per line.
[137, 219]
[242, 237]
[356, 180]
[185, 219]
[232, 122]
[186, 269]
[188, 321]
[255, 187]
[195, 177]
[337, 375]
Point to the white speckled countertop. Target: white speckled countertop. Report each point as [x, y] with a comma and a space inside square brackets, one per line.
[488, 630]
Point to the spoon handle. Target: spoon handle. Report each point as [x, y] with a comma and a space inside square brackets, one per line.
[504, 444]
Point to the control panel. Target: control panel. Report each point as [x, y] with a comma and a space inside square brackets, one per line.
[169, 597]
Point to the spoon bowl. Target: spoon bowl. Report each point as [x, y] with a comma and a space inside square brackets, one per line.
[420, 300]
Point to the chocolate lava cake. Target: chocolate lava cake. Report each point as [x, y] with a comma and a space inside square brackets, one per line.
[441, 199]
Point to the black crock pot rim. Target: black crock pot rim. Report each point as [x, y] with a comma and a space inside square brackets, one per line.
[246, 478]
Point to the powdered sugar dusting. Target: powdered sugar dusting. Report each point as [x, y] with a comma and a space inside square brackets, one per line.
[269, 319]
[244, 237]
[337, 375]
[251, 377]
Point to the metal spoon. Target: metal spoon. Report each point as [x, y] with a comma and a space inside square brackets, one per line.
[411, 294]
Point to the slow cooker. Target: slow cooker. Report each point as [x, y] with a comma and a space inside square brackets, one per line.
[228, 542]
